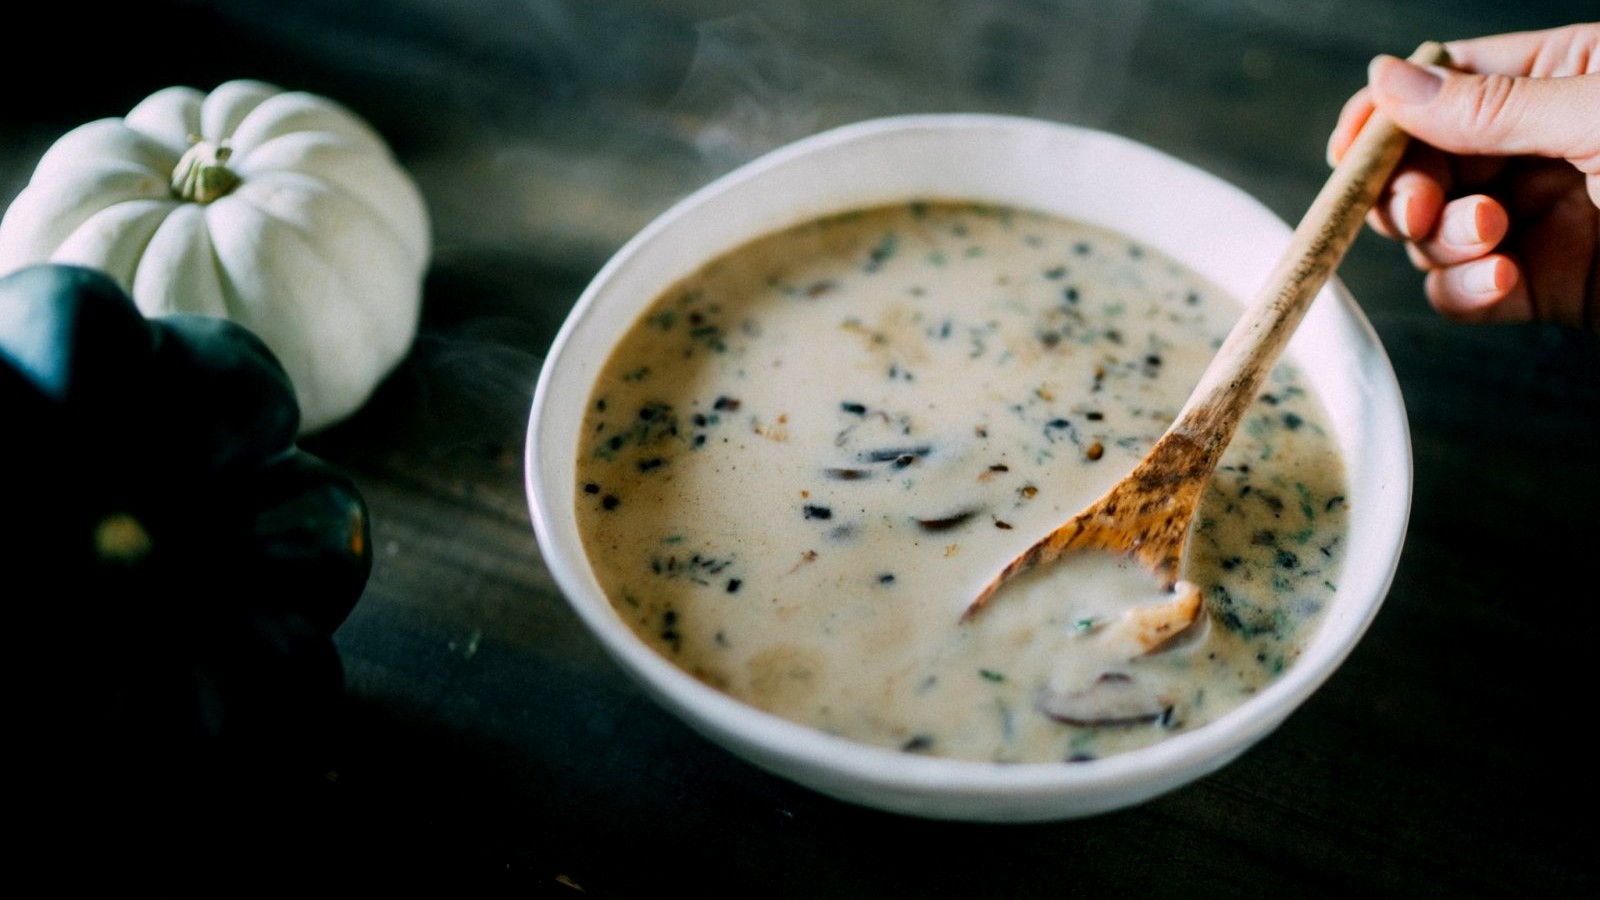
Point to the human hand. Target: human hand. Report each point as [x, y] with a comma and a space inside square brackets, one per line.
[1498, 199]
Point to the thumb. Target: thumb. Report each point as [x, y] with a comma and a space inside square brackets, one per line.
[1498, 115]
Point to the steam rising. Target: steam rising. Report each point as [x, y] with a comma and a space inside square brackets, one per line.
[624, 115]
[761, 79]
[749, 89]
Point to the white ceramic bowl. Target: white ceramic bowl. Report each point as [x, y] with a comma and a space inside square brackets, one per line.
[1094, 177]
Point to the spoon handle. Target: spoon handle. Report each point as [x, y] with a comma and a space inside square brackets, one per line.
[1229, 385]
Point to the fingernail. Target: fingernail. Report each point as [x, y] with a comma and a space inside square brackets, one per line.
[1464, 229]
[1479, 279]
[1403, 81]
[1400, 213]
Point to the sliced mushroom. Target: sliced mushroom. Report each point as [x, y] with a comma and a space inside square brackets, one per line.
[1114, 698]
[947, 522]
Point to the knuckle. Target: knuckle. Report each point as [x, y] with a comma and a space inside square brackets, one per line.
[1493, 104]
[1574, 50]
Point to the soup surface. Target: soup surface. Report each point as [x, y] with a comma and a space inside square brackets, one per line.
[804, 461]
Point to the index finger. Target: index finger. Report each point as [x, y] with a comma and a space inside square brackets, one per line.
[1546, 53]
[1357, 110]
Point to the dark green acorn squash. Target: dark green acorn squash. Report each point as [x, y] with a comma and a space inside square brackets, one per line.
[176, 564]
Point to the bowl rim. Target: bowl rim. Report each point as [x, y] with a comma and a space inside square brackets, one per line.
[837, 764]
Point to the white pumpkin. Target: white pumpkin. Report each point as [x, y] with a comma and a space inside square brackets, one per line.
[280, 210]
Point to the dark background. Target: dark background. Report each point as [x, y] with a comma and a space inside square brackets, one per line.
[486, 732]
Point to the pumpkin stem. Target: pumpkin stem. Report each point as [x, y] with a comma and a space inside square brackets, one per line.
[202, 174]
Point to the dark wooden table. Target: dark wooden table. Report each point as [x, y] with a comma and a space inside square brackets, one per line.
[488, 735]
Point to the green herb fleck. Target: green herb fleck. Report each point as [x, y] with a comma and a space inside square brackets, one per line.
[882, 253]
[1306, 508]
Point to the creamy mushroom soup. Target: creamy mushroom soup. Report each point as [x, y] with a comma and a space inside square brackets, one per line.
[803, 462]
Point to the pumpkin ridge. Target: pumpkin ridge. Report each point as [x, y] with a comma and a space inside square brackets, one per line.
[130, 233]
[47, 212]
[229, 104]
[293, 111]
[273, 179]
[379, 348]
[173, 274]
[102, 144]
[320, 340]
[384, 179]
[168, 117]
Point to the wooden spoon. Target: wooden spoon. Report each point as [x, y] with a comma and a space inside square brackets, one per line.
[1147, 515]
